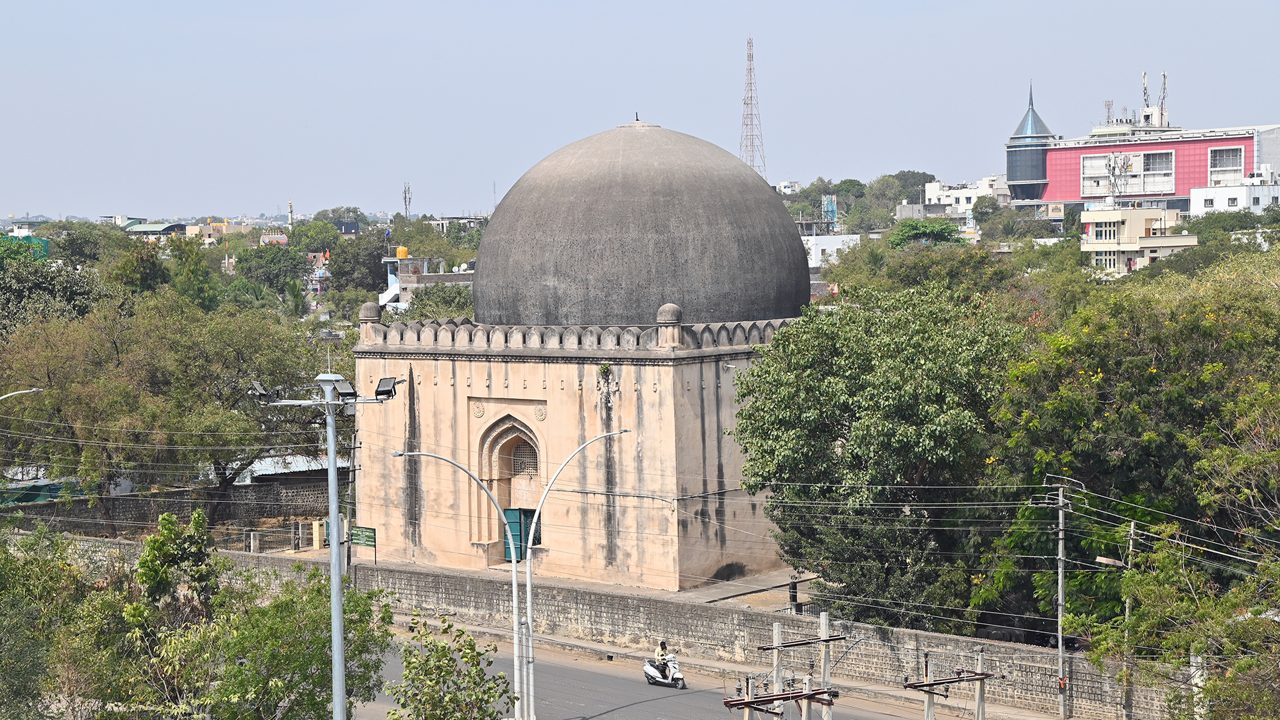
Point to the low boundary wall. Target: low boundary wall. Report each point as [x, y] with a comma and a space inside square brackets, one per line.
[1027, 675]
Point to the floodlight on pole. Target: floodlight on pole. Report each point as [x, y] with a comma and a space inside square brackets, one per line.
[338, 394]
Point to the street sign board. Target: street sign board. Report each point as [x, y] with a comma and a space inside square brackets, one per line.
[365, 536]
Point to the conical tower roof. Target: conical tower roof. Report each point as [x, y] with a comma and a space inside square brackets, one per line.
[1031, 127]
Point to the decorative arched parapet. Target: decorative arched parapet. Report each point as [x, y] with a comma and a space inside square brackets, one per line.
[412, 333]
[591, 338]
[444, 336]
[706, 336]
[532, 337]
[462, 336]
[738, 334]
[479, 336]
[724, 336]
[755, 333]
[571, 338]
[629, 338]
[395, 334]
[648, 339]
[551, 338]
[609, 339]
[377, 333]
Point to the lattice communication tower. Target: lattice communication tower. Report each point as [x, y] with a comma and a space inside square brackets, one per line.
[751, 142]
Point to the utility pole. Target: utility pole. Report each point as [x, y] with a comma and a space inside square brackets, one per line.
[1062, 594]
[408, 200]
[777, 657]
[980, 702]
[928, 696]
[824, 633]
[1128, 652]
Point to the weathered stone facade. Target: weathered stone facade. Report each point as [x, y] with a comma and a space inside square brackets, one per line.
[649, 508]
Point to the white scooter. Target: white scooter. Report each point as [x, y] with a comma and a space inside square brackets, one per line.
[653, 675]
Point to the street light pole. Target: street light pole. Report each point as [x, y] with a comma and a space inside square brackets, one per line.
[528, 565]
[338, 392]
[327, 382]
[16, 393]
[515, 579]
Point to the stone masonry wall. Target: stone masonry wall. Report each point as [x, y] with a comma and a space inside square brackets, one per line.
[1026, 675]
[138, 511]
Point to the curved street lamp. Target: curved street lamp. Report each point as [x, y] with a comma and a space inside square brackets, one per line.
[528, 561]
[15, 393]
[515, 579]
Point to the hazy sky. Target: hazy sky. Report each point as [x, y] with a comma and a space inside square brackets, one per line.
[177, 108]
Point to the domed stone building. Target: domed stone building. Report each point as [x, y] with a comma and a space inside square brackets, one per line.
[620, 284]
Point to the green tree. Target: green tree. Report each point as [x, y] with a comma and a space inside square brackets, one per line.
[984, 207]
[441, 300]
[38, 591]
[268, 651]
[927, 232]
[348, 213]
[854, 417]
[849, 188]
[83, 243]
[314, 236]
[1233, 631]
[141, 393]
[912, 183]
[192, 277]
[139, 269]
[446, 677]
[32, 289]
[273, 266]
[1130, 398]
[356, 264]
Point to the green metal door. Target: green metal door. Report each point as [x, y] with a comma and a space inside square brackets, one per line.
[515, 521]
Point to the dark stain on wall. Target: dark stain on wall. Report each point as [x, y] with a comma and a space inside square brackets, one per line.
[721, 528]
[412, 498]
[610, 467]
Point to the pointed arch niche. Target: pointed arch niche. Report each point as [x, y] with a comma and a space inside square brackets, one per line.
[511, 464]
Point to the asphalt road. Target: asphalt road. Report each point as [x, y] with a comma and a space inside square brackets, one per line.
[571, 687]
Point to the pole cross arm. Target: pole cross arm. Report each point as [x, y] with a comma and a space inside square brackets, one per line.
[962, 676]
[802, 643]
[821, 696]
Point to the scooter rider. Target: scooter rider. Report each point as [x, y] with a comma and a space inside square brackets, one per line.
[660, 658]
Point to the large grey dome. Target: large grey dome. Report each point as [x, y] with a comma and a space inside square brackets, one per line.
[610, 228]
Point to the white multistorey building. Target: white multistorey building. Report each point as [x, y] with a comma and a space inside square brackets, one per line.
[1122, 240]
[824, 249]
[958, 200]
[1255, 193]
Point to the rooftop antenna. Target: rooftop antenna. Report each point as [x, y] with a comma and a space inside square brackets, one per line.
[408, 199]
[1164, 97]
[1110, 105]
[751, 142]
[1146, 94]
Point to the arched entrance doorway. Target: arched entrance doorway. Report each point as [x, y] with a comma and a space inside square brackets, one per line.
[511, 465]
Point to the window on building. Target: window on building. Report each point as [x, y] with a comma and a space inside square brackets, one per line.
[957, 200]
[968, 200]
[1231, 202]
[1257, 200]
[524, 459]
[1275, 201]
[1208, 203]
[1226, 166]
[1105, 231]
[1154, 251]
[1157, 162]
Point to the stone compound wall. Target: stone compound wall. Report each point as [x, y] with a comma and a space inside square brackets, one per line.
[870, 655]
[138, 512]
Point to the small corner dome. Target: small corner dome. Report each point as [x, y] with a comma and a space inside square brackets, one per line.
[607, 228]
[370, 312]
[669, 314]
